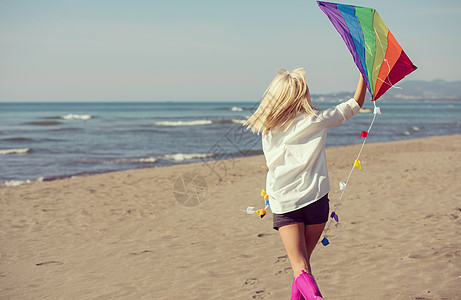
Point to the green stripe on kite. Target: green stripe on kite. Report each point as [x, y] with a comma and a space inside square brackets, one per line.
[365, 17]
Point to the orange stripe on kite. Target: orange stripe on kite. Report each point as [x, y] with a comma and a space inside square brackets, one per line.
[393, 52]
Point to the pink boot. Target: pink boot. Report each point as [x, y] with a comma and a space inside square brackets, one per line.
[306, 284]
[295, 292]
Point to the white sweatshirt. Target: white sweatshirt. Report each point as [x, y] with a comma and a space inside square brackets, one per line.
[298, 174]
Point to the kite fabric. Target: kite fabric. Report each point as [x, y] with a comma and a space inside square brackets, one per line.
[376, 52]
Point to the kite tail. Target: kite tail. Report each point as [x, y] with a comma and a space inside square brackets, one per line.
[343, 186]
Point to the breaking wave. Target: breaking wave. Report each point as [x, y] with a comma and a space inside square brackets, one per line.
[183, 123]
[21, 182]
[199, 122]
[151, 160]
[76, 117]
[182, 157]
[15, 151]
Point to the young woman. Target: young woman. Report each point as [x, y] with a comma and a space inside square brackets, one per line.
[294, 135]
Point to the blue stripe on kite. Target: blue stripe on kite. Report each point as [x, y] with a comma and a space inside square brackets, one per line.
[338, 21]
[353, 24]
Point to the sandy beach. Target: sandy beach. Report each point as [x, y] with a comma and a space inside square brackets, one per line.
[142, 234]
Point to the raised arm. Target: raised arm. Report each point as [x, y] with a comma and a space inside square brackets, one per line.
[360, 91]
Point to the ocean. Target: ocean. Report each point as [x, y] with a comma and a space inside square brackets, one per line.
[47, 141]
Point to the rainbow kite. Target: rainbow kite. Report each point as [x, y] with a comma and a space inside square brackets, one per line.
[376, 53]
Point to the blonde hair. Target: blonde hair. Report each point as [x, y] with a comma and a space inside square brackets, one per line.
[287, 95]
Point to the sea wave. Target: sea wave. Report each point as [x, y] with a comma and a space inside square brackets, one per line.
[183, 123]
[182, 156]
[239, 108]
[17, 139]
[411, 130]
[76, 117]
[151, 160]
[122, 161]
[199, 122]
[15, 151]
[21, 182]
[66, 129]
[238, 121]
[44, 123]
[223, 121]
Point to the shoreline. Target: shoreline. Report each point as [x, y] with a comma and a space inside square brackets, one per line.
[14, 183]
[137, 233]
[124, 137]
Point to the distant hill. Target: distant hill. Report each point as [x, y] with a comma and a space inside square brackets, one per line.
[408, 90]
[429, 90]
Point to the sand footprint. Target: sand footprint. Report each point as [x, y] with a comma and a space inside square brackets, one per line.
[281, 259]
[261, 294]
[283, 272]
[140, 252]
[251, 281]
[51, 262]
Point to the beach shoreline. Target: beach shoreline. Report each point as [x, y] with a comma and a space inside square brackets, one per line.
[162, 233]
[42, 141]
[206, 160]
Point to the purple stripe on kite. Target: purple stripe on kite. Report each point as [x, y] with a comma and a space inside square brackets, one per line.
[339, 23]
[355, 30]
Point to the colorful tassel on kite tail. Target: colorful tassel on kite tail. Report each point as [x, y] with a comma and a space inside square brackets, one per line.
[260, 212]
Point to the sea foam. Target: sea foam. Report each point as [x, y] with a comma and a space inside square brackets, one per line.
[182, 156]
[76, 117]
[183, 123]
[147, 160]
[199, 122]
[151, 160]
[238, 121]
[21, 182]
[15, 151]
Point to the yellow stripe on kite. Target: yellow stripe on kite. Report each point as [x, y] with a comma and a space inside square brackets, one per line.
[381, 32]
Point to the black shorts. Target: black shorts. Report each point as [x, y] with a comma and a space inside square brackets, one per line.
[314, 213]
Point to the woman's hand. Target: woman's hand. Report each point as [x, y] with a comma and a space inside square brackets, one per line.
[360, 91]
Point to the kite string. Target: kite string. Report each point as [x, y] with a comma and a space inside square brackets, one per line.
[352, 170]
[363, 143]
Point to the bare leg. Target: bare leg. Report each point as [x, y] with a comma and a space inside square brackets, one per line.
[294, 240]
[312, 236]
[299, 241]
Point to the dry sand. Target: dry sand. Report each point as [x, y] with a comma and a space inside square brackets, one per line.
[124, 235]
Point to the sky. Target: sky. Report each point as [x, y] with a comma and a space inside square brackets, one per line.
[149, 50]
